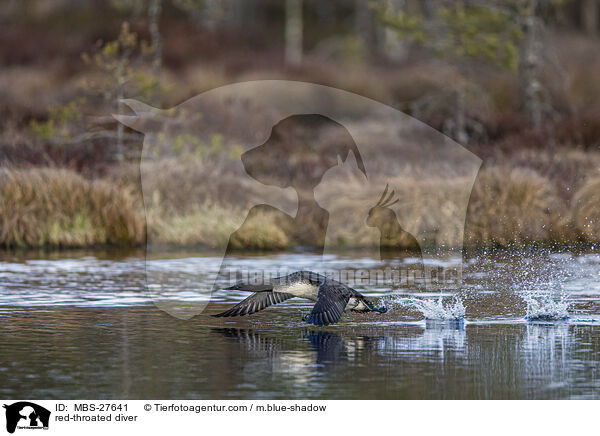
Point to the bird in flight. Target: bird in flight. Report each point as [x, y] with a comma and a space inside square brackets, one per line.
[332, 297]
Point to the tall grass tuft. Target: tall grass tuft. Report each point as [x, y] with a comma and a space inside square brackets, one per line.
[427, 207]
[57, 207]
[586, 209]
[508, 207]
[514, 207]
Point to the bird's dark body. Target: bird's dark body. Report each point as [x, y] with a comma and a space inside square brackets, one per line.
[332, 298]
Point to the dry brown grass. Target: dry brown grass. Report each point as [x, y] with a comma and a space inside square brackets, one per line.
[508, 206]
[566, 168]
[586, 209]
[190, 203]
[182, 186]
[212, 226]
[261, 231]
[58, 207]
[514, 206]
[208, 226]
[426, 208]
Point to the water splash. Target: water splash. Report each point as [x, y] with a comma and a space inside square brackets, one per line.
[433, 309]
[436, 310]
[546, 307]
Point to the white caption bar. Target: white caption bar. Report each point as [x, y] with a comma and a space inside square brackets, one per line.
[160, 417]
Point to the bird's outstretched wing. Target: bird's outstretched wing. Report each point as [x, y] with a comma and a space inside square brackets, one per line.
[255, 303]
[331, 302]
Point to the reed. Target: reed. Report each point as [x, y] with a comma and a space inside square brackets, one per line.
[508, 207]
[514, 207]
[586, 210]
[212, 226]
[57, 207]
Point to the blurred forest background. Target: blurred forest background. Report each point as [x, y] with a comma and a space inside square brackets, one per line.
[515, 81]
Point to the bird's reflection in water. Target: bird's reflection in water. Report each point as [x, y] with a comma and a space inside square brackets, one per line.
[265, 357]
[333, 349]
[323, 349]
[329, 347]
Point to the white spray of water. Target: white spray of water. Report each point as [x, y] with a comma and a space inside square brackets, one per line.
[546, 307]
[434, 309]
[541, 285]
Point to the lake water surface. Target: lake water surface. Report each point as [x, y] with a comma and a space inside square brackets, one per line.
[82, 325]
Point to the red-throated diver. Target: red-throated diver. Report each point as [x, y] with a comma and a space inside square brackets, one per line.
[332, 297]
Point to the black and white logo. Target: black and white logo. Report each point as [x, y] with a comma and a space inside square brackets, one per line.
[26, 415]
